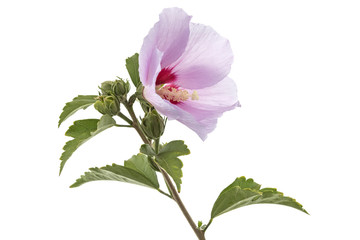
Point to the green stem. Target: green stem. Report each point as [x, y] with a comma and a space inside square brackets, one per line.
[125, 118]
[119, 125]
[157, 141]
[162, 192]
[135, 123]
[173, 191]
[207, 225]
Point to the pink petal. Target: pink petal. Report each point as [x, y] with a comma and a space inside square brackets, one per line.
[172, 34]
[149, 62]
[213, 101]
[174, 112]
[201, 128]
[206, 61]
[163, 106]
[168, 39]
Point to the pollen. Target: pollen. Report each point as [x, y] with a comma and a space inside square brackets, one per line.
[173, 94]
[194, 95]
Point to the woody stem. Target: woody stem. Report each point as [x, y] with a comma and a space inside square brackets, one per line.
[174, 193]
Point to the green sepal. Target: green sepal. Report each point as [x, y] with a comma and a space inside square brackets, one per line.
[243, 192]
[168, 159]
[79, 102]
[132, 65]
[82, 131]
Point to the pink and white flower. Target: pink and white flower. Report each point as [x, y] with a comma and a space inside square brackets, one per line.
[183, 67]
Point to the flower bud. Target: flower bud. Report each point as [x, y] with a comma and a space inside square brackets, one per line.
[107, 105]
[106, 88]
[153, 125]
[120, 87]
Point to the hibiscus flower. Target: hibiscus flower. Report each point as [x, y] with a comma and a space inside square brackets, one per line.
[183, 67]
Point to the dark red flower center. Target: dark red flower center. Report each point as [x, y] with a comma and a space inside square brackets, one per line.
[165, 76]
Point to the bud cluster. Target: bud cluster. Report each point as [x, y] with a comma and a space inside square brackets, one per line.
[112, 94]
[118, 88]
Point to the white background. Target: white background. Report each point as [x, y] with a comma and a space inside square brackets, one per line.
[297, 72]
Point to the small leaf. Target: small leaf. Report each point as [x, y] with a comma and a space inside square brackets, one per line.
[146, 149]
[243, 192]
[132, 65]
[116, 173]
[173, 149]
[82, 131]
[140, 163]
[79, 102]
[168, 159]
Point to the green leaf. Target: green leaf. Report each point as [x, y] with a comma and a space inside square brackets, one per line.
[80, 102]
[168, 159]
[146, 149]
[82, 131]
[173, 149]
[243, 192]
[140, 163]
[116, 173]
[132, 65]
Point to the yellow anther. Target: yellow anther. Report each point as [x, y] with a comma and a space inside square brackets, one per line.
[194, 95]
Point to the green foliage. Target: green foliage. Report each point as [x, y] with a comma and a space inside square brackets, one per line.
[79, 102]
[132, 65]
[140, 163]
[82, 131]
[243, 192]
[137, 170]
[168, 159]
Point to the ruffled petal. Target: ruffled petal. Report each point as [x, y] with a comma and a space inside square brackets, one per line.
[149, 62]
[213, 101]
[206, 61]
[174, 112]
[201, 128]
[164, 44]
[173, 32]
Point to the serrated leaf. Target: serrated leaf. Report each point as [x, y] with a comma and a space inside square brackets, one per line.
[168, 159]
[173, 149]
[116, 173]
[79, 102]
[132, 65]
[243, 192]
[140, 163]
[82, 131]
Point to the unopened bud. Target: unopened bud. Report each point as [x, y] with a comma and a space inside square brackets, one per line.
[120, 87]
[107, 105]
[106, 88]
[153, 125]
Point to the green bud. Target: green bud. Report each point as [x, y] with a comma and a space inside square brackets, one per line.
[107, 105]
[120, 87]
[153, 125]
[106, 87]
